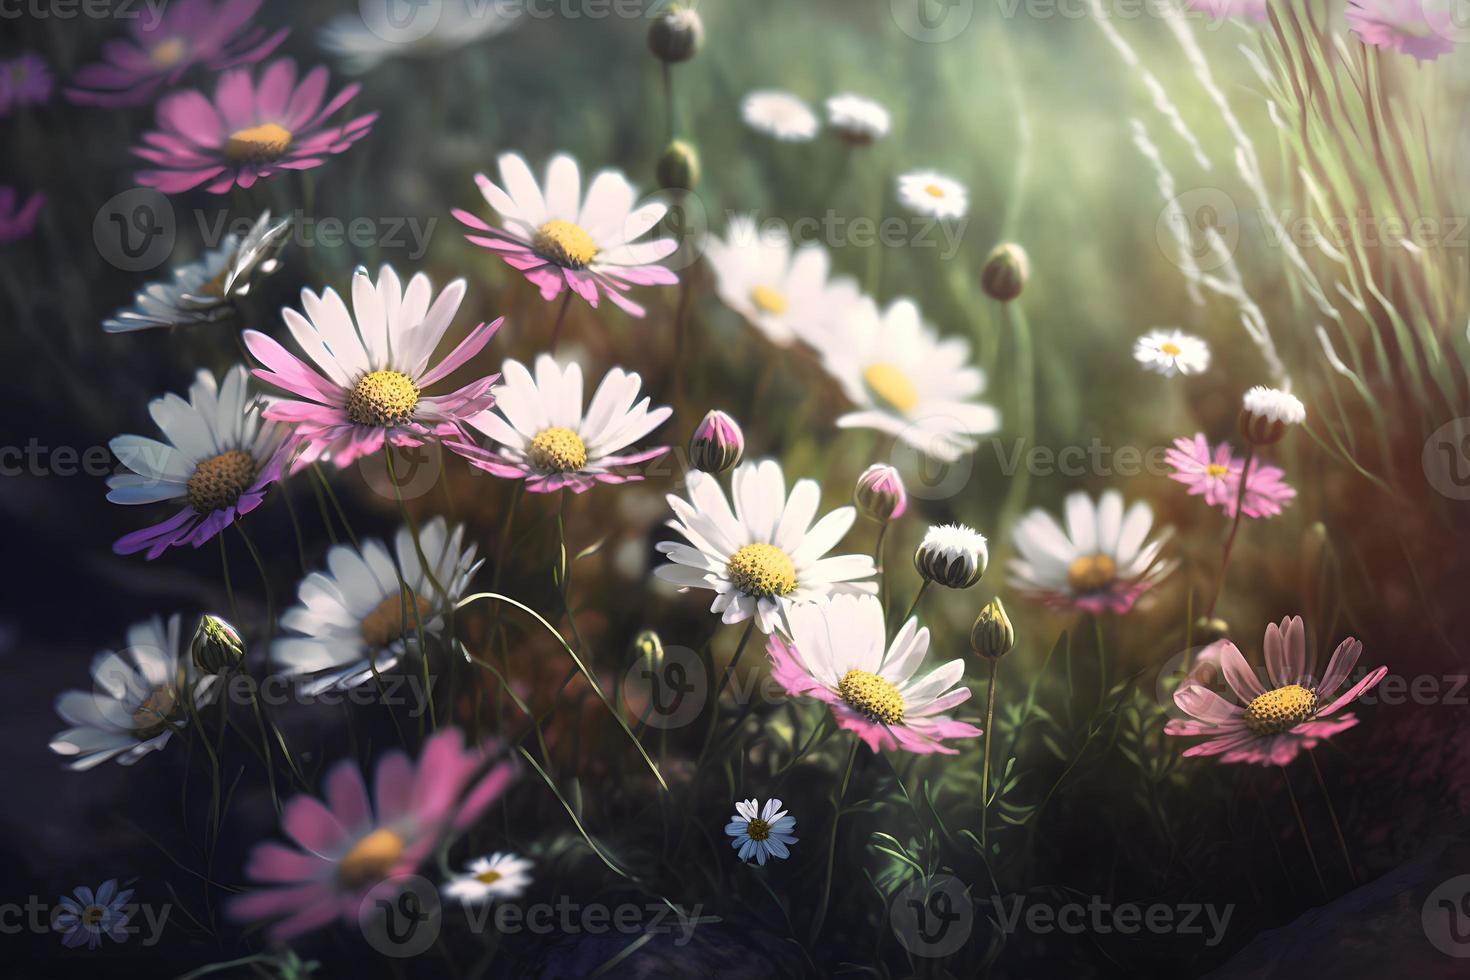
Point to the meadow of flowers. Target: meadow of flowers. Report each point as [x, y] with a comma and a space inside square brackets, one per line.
[504, 488]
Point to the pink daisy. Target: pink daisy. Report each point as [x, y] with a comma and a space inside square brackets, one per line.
[1275, 723]
[837, 655]
[17, 219]
[1216, 476]
[1424, 30]
[560, 240]
[347, 845]
[250, 131]
[212, 35]
[24, 80]
[369, 376]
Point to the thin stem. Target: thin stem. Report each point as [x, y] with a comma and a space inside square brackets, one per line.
[878, 564]
[224, 562]
[821, 915]
[1302, 826]
[1245, 473]
[1102, 662]
[404, 597]
[265, 581]
[336, 504]
[561, 317]
[985, 765]
[672, 115]
[735, 660]
[915, 604]
[1332, 812]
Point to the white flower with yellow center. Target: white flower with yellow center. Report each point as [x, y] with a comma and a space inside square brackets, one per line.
[933, 194]
[500, 875]
[905, 380]
[1171, 352]
[360, 616]
[784, 294]
[779, 114]
[764, 557]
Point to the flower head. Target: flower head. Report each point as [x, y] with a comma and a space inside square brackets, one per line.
[1005, 274]
[992, 636]
[779, 114]
[952, 555]
[1216, 476]
[933, 194]
[880, 494]
[1422, 28]
[25, 80]
[361, 46]
[717, 443]
[217, 646]
[1267, 412]
[86, 916]
[17, 217]
[761, 832]
[1171, 352]
[501, 875]
[676, 35]
[857, 120]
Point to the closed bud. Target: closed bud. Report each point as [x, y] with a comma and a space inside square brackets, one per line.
[993, 636]
[216, 646]
[676, 36]
[717, 443]
[879, 494]
[1210, 630]
[952, 555]
[1266, 413]
[678, 167]
[1005, 273]
[648, 650]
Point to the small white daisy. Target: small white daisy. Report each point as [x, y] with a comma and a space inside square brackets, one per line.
[779, 114]
[761, 832]
[857, 119]
[138, 698]
[499, 876]
[1171, 352]
[953, 555]
[1274, 405]
[905, 380]
[784, 294]
[933, 194]
[457, 24]
[765, 556]
[358, 615]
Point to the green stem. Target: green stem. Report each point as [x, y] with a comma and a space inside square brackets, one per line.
[1332, 812]
[878, 564]
[915, 604]
[561, 317]
[985, 765]
[821, 915]
[1245, 472]
[1302, 826]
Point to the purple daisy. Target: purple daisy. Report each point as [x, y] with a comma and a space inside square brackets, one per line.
[24, 80]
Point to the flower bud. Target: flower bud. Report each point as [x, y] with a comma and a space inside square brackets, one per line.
[1005, 273]
[992, 636]
[678, 167]
[1210, 630]
[648, 650]
[216, 646]
[952, 555]
[676, 36]
[717, 444]
[879, 494]
[1266, 412]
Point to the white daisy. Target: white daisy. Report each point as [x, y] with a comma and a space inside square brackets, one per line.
[500, 875]
[137, 698]
[1101, 563]
[782, 294]
[358, 615]
[761, 832]
[1274, 405]
[765, 556]
[543, 436]
[933, 194]
[857, 119]
[907, 381]
[457, 23]
[779, 114]
[953, 555]
[204, 291]
[1171, 352]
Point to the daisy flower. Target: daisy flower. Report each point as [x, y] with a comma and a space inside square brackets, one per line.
[933, 195]
[500, 875]
[856, 119]
[560, 240]
[764, 558]
[211, 35]
[85, 916]
[219, 460]
[784, 293]
[838, 654]
[17, 218]
[1216, 476]
[253, 129]
[1272, 724]
[953, 555]
[1413, 27]
[1266, 414]
[1250, 9]
[361, 47]
[779, 114]
[204, 291]
[905, 380]
[1171, 352]
[543, 436]
[24, 80]
[364, 613]
[1101, 563]
[138, 698]
[761, 832]
[366, 382]
[346, 844]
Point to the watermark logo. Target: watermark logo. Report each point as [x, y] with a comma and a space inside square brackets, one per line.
[932, 21]
[401, 21]
[135, 230]
[1204, 223]
[669, 694]
[932, 917]
[415, 471]
[401, 916]
[1446, 917]
[1446, 459]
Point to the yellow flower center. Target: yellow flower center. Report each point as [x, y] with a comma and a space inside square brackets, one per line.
[1171, 349]
[564, 243]
[1092, 573]
[1280, 710]
[386, 623]
[93, 915]
[870, 694]
[767, 300]
[762, 570]
[558, 450]
[891, 386]
[370, 859]
[1215, 469]
[934, 190]
[168, 53]
[152, 717]
[488, 877]
[757, 829]
[217, 482]
[383, 398]
[258, 144]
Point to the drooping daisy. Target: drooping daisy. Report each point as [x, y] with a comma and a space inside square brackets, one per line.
[251, 130]
[214, 36]
[219, 461]
[1216, 476]
[139, 697]
[1101, 563]
[905, 380]
[204, 291]
[1171, 352]
[1425, 30]
[838, 653]
[784, 294]
[934, 195]
[499, 876]
[17, 217]
[369, 375]
[1250, 9]
[357, 616]
[856, 119]
[761, 832]
[361, 46]
[559, 240]
[543, 436]
[1267, 413]
[764, 558]
[86, 916]
[1272, 724]
[779, 114]
[25, 80]
[345, 844]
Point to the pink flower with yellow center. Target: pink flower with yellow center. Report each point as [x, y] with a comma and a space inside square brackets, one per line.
[1215, 475]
